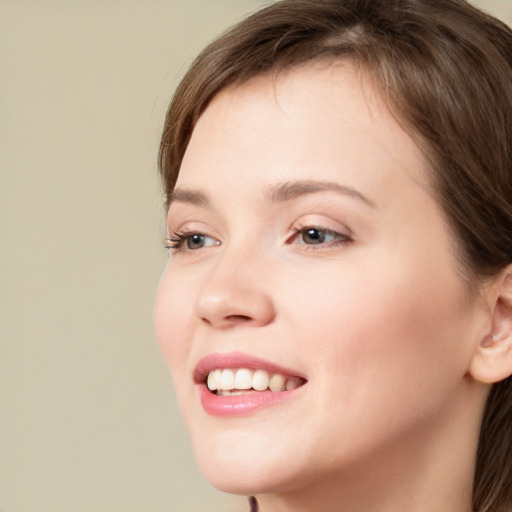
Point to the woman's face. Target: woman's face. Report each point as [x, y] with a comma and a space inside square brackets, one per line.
[308, 246]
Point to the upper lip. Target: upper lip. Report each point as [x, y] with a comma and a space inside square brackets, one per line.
[238, 360]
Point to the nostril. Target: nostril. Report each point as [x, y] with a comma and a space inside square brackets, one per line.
[229, 318]
[238, 317]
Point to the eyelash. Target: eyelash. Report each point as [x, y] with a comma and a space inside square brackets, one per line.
[175, 241]
[179, 238]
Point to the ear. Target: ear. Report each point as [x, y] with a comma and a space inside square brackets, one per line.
[492, 360]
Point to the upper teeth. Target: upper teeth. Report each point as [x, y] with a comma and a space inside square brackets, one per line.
[243, 379]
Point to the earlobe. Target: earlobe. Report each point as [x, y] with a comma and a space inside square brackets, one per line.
[492, 360]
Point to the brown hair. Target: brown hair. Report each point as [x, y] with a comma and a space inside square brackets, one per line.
[445, 69]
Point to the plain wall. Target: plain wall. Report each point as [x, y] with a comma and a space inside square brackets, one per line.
[88, 420]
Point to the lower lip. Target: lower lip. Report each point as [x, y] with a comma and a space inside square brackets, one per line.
[238, 405]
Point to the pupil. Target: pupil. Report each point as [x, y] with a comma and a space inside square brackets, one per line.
[195, 241]
[313, 236]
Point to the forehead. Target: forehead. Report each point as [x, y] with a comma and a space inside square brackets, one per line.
[315, 118]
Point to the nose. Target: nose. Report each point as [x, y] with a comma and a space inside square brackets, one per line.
[234, 295]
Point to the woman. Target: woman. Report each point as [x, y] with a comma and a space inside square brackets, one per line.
[337, 306]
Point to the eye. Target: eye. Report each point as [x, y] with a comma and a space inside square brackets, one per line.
[196, 241]
[185, 241]
[315, 235]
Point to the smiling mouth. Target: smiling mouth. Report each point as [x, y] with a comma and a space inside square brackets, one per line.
[242, 381]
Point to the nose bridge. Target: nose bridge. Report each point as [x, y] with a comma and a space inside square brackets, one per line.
[234, 291]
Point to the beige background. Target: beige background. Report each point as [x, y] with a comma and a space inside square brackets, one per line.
[88, 420]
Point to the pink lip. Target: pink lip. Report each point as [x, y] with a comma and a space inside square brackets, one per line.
[238, 405]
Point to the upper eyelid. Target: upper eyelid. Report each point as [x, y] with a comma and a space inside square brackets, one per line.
[340, 227]
[308, 220]
[185, 233]
[188, 226]
[333, 232]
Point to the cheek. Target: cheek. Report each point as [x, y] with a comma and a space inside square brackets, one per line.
[372, 336]
[172, 314]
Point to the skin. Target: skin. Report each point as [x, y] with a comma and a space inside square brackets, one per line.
[378, 320]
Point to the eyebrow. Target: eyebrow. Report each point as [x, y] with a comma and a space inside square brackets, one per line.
[181, 195]
[281, 192]
[292, 190]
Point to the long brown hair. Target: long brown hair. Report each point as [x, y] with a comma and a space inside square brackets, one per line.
[445, 68]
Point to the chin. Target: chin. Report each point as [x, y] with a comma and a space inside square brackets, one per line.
[244, 469]
[248, 481]
[235, 482]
